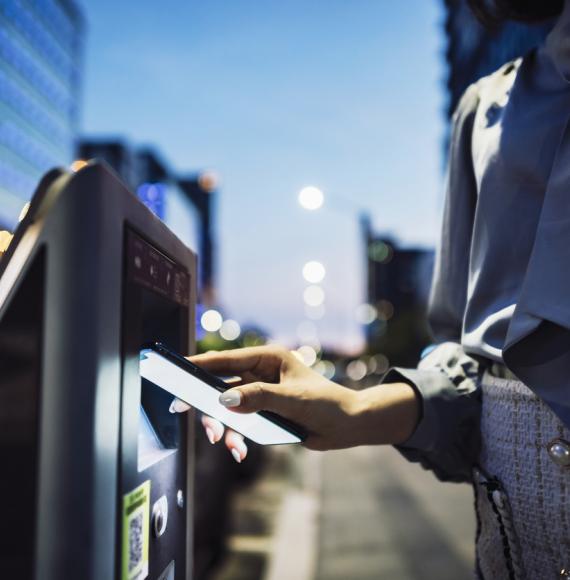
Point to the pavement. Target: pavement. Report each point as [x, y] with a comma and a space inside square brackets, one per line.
[356, 514]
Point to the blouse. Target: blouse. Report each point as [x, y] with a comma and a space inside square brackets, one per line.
[501, 286]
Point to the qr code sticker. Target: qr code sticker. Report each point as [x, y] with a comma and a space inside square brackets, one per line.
[135, 541]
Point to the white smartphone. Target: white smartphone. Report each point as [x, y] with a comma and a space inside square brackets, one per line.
[200, 389]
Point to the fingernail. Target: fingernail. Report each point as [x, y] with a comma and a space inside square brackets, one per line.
[240, 446]
[230, 398]
[210, 435]
[236, 455]
[178, 406]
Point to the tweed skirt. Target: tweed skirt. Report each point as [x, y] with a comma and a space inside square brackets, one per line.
[522, 494]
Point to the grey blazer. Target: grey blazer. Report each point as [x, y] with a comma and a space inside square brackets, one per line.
[531, 335]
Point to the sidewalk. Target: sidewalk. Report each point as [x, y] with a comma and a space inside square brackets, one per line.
[383, 518]
[357, 514]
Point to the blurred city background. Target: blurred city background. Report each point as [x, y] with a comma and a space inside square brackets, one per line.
[299, 148]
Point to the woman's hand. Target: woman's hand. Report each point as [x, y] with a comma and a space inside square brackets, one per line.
[333, 416]
[215, 432]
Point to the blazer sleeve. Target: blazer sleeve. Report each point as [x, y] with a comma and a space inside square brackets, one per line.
[447, 438]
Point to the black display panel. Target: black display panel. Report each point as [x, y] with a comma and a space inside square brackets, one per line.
[153, 441]
[21, 329]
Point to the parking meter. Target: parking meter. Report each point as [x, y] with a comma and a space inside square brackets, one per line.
[96, 479]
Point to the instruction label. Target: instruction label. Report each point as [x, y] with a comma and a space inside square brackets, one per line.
[136, 530]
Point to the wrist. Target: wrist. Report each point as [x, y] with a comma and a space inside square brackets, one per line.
[386, 414]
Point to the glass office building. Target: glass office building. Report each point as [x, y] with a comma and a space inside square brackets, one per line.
[40, 77]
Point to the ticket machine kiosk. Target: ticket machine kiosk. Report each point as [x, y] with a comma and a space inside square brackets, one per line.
[96, 476]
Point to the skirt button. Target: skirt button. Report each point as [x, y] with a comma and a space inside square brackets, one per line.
[559, 452]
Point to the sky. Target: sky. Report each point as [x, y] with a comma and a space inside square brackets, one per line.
[344, 95]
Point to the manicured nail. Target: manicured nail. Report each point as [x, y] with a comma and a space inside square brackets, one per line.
[240, 446]
[178, 406]
[230, 398]
[210, 435]
[236, 455]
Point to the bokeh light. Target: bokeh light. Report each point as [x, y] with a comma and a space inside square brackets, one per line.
[230, 330]
[211, 320]
[365, 314]
[356, 370]
[311, 198]
[385, 310]
[208, 181]
[314, 272]
[378, 364]
[325, 368]
[5, 239]
[308, 354]
[380, 251]
[78, 164]
[314, 295]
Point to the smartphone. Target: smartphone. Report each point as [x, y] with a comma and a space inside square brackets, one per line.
[197, 387]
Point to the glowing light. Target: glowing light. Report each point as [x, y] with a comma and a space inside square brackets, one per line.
[211, 321]
[311, 198]
[314, 295]
[378, 364]
[356, 370]
[230, 330]
[308, 355]
[385, 310]
[366, 314]
[24, 211]
[78, 164]
[208, 181]
[307, 331]
[325, 368]
[5, 239]
[315, 312]
[314, 272]
[380, 251]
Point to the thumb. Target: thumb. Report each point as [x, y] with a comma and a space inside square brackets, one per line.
[260, 396]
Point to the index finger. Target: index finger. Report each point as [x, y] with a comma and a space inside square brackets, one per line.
[229, 362]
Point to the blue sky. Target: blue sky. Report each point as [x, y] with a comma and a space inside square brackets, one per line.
[347, 96]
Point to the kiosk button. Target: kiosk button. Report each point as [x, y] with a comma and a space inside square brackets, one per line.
[160, 516]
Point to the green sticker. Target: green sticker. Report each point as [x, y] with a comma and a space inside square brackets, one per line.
[136, 529]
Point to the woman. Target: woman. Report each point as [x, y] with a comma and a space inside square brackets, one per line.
[491, 403]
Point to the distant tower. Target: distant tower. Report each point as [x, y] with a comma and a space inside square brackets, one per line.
[186, 204]
[40, 78]
[398, 283]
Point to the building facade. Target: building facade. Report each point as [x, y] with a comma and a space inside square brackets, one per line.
[473, 51]
[40, 80]
[184, 203]
[397, 288]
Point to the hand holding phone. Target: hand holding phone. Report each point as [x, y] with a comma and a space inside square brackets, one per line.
[200, 389]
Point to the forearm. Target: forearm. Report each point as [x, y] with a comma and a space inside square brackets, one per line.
[386, 414]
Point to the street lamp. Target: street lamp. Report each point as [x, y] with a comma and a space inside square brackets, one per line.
[314, 272]
[311, 198]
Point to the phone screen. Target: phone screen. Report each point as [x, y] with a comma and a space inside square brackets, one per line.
[190, 384]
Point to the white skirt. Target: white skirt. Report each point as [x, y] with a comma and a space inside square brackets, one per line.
[522, 492]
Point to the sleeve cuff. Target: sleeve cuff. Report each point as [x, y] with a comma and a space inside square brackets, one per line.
[429, 385]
